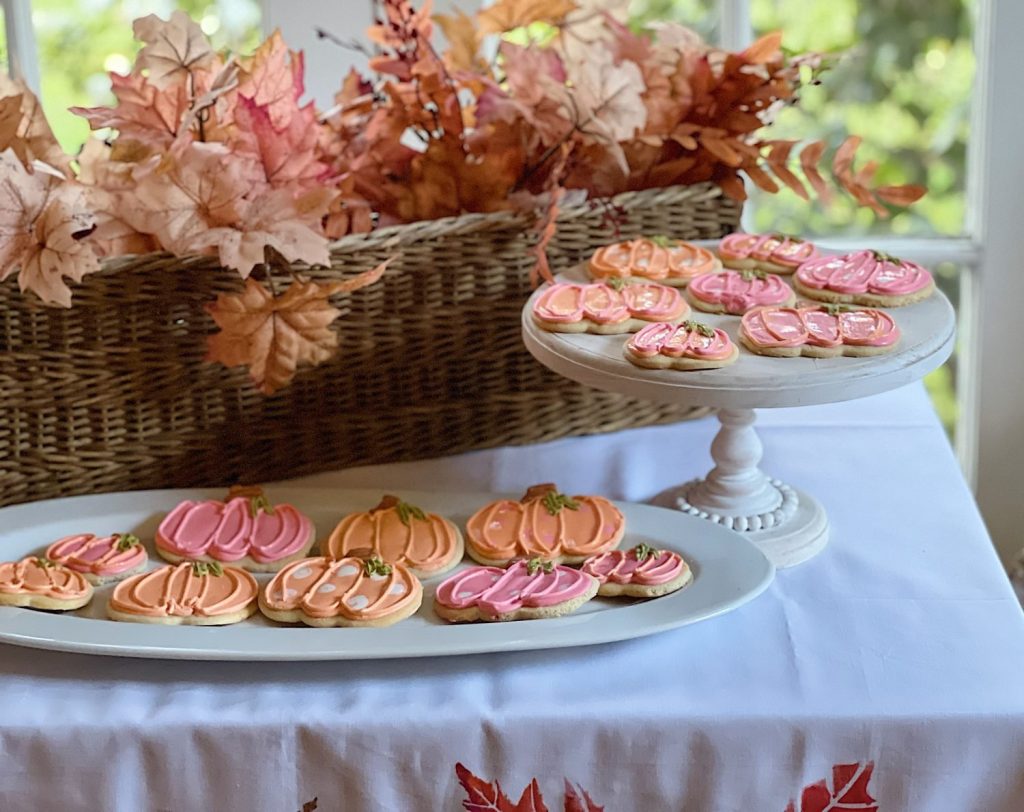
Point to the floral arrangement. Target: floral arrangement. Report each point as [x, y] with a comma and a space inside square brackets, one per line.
[212, 153]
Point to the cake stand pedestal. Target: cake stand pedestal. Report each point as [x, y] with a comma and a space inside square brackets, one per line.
[787, 524]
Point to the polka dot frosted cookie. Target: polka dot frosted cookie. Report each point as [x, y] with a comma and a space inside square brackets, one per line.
[344, 592]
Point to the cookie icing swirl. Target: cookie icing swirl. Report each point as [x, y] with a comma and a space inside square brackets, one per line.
[42, 577]
[178, 590]
[495, 591]
[97, 555]
[674, 260]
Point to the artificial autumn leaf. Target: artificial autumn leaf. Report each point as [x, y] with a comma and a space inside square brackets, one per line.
[608, 96]
[486, 796]
[144, 113]
[275, 335]
[224, 81]
[288, 155]
[849, 791]
[810, 156]
[505, 15]
[777, 159]
[174, 48]
[578, 800]
[766, 49]
[25, 129]
[463, 40]
[44, 220]
[208, 201]
[901, 195]
[273, 78]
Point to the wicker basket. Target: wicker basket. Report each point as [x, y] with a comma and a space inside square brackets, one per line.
[115, 395]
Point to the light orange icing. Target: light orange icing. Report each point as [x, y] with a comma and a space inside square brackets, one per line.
[42, 577]
[98, 555]
[325, 588]
[506, 529]
[407, 536]
[565, 303]
[686, 340]
[183, 590]
[676, 260]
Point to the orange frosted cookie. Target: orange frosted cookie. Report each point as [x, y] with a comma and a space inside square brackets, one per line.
[399, 533]
[671, 262]
[776, 253]
[544, 524]
[686, 346]
[245, 530]
[39, 583]
[101, 559]
[193, 593]
[621, 306]
[349, 591]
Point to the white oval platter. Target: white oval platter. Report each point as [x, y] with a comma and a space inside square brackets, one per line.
[728, 572]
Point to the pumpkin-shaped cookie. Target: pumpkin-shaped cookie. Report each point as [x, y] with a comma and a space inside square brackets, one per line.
[193, 593]
[621, 306]
[524, 590]
[660, 259]
[245, 530]
[349, 591]
[868, 278]
[736, 292]
[776, 253]
[399, 533]
[544, 524]
[820, 331]
[40, 583]
[690, 345]
[101, 559]
[640, 572]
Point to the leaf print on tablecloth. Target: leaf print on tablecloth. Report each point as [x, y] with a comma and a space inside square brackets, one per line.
[575, 803]
[487, 796]
[849, 791]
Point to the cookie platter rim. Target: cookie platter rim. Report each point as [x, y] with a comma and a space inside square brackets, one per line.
[728, 570]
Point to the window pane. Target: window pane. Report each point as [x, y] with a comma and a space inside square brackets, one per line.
[80, 40]
[700, 15]
[904, 85]
[942, 383]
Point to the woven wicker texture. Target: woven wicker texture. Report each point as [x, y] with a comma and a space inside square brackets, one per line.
[115, 395]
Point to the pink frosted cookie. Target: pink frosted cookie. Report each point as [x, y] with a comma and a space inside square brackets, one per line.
[101, 559]
[244, 530]
[820, 331]
[865, 278]
[524, 590]
[642, 572]
[622, 306]
[660, 259]
[192, 593]
[735, 292]
[39, 583]
[689, 345]
[776, 253]
[350, 591]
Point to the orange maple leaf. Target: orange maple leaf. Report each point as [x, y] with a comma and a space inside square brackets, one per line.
[43, 222]
[273, 78]
[505, 15]
[275, 335]
[463, 40]
[25, 130]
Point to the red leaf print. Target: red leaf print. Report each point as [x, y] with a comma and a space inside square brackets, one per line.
[849, 791]
[482, 796]
[531, 799]
[574, 803]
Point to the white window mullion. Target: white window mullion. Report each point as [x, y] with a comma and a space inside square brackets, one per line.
[22, 61]
[735, 28]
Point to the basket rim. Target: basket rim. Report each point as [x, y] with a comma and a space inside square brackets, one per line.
[396, 236]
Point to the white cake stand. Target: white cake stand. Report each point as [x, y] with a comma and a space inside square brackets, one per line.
[789, 525]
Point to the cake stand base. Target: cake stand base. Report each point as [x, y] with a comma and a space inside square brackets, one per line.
[788, 525]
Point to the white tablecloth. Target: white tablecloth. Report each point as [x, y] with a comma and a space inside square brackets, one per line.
[901, 646]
